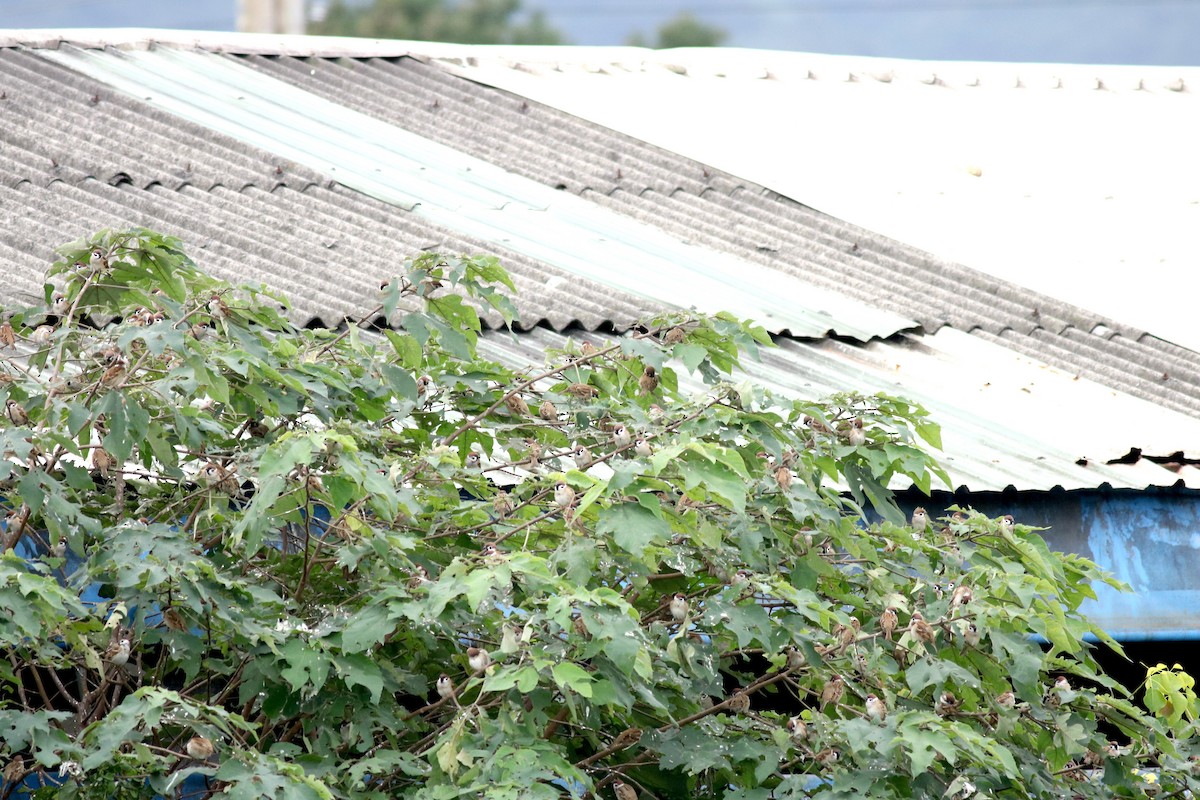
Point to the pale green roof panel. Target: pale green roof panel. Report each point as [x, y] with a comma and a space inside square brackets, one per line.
[472, 196]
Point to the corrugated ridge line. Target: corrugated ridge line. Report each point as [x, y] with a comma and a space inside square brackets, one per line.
[224, 225]
[149, 147]
[454, 186]
[378, 98]
[978, 301]
[1053, 350]
[815, 370]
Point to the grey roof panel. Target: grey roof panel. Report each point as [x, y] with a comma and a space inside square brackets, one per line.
[729, 214]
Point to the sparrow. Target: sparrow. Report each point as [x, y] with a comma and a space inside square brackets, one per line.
[473, 462]
[517, 405]
[118, 652]
[174, 620]
[114, 376]
[502, 504]
[675, 335]
[795, 657]
[200, 748]
[419, 577]
[624, 791]
[8, 337]
[41, 334]
[217, 307]
[16, 412]
[833, 690]
[98, 259]
[59, 550]
[739, 702]
[829, 755]
[581, 628]
[920, 520]
[1006, 700]
[846, 634]
[1053, 696]
[887, 622]
[621, 437]
[564, 495]
[102, 460]
[583, 391]
[741, 577]
[783, 477]
[920, 629]
[59, 305]
[445, 686]
[1006, 524]
[641, 446]
[876, 709]
[855, 435]
[971, 635]
[798, 729]
[648, 383]
[946, 704]
[14, 770]
[214, 476]
[425, 388]
[656, 412]
[548, 411]
[588, 349]
[679, 607]
[961, 596]
[582, 456]
[491, 554]
[478, 659]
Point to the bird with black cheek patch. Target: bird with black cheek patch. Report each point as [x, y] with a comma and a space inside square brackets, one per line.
[641, 446]
[445, 686]
[620, 434]
[473, 462]
[564, 495]
[920, 520]
[1006, 524]
[582, 456]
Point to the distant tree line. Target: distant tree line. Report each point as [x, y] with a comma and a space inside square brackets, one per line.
[484, 22]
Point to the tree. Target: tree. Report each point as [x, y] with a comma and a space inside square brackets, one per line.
[683, 30]
[468, 22]
[245, 556]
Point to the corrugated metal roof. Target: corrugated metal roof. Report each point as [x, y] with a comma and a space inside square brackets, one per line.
[992, 406]
[723, 212]
[76, 156]
[471, 196]
[1062, 178]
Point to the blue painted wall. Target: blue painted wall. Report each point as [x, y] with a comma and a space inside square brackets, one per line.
[1148, 539]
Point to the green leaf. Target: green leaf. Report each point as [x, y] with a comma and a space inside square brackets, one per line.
[571, 676]
[633, 527]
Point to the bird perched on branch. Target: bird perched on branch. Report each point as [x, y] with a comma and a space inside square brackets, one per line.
[648, 383]
[200, 748]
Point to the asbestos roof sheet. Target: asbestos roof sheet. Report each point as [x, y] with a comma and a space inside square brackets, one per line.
[991, 404]
[1079, 182]
[470, 196]
[317, 175]
[726, 213]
